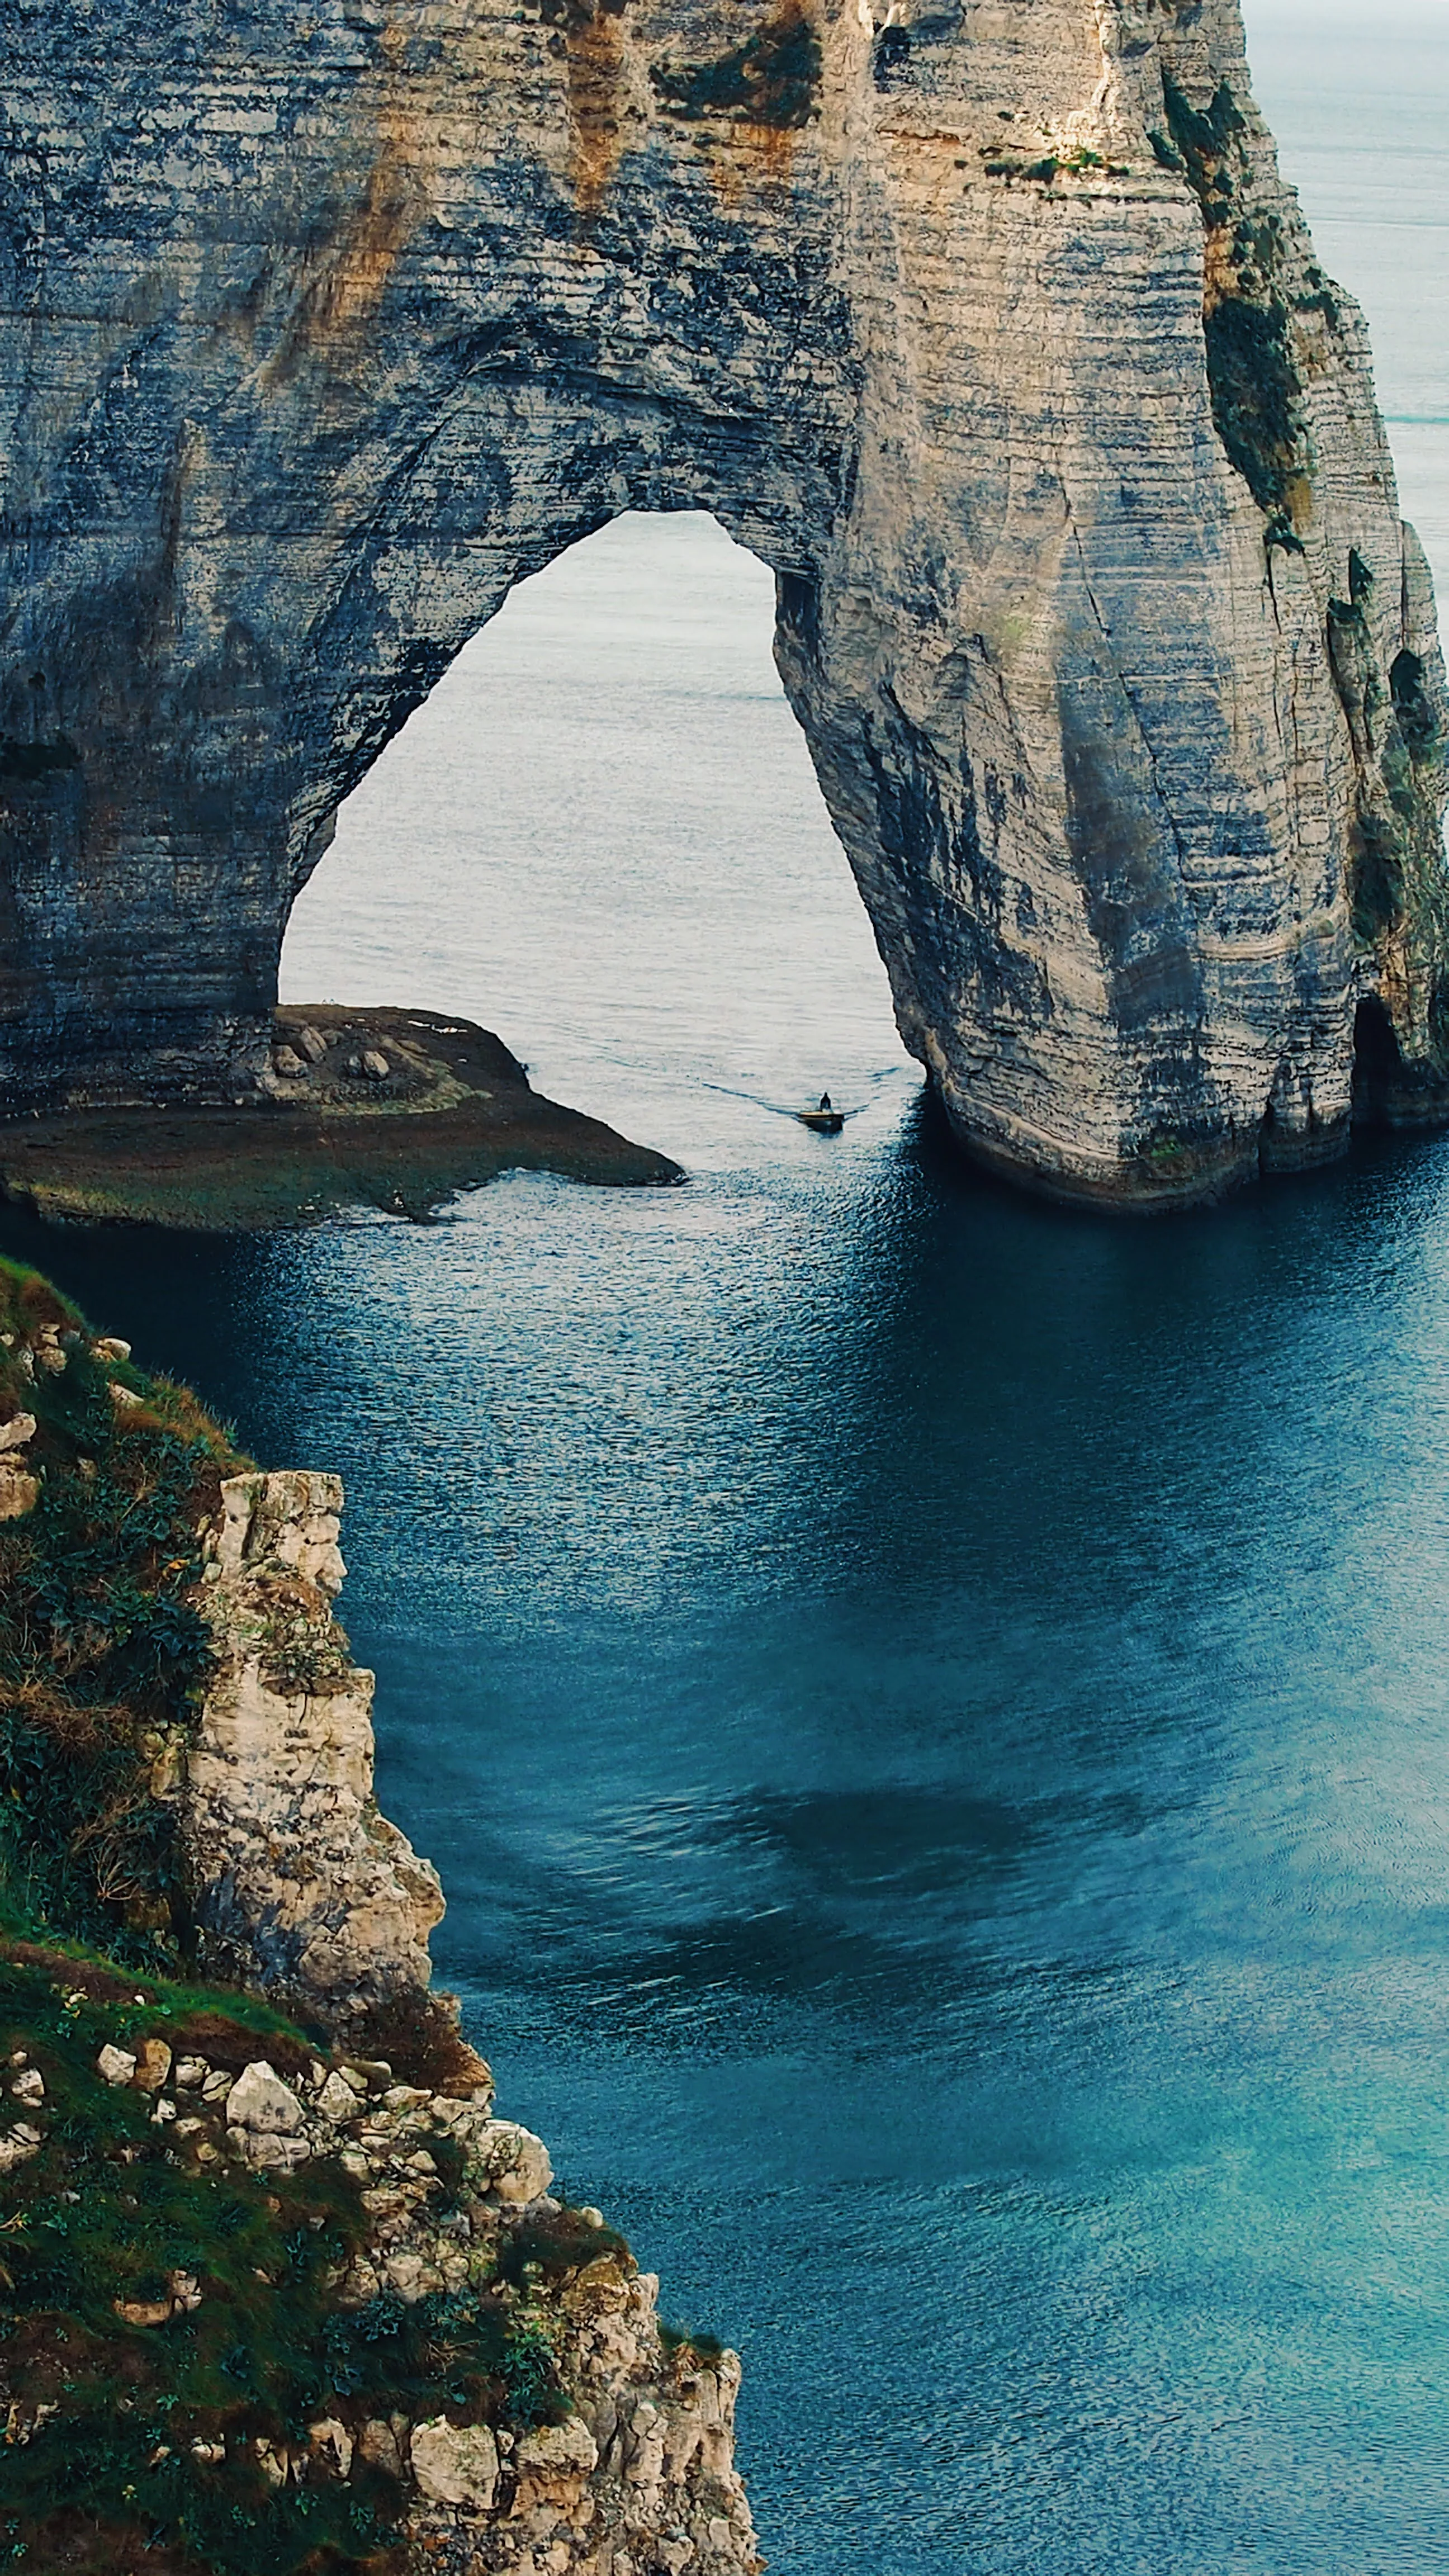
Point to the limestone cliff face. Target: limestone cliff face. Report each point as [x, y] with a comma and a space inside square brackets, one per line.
[992, 329]
[301, 1889]
[297, 1882]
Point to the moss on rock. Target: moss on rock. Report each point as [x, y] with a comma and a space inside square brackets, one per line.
[103, 1651]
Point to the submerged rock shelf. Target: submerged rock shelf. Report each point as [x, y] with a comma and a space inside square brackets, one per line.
[355, 1108]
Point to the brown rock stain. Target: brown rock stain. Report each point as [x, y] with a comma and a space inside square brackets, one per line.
[1219, 267]
[757, 161]
[340, 300]
[594, 45]
[753, 100]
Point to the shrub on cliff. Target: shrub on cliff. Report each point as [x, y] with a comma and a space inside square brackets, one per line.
[177, 2369]
[102, 1650]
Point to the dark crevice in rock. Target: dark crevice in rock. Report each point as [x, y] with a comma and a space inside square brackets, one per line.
[773, 78]
[1253, 378]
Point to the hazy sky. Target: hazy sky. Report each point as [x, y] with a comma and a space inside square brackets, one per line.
[1379, 16]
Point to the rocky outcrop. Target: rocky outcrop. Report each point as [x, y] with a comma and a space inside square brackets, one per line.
[302, 1889]
[319, 1899]
[296, 2240]
[450, 1109]
[297, 1883]
[613, 2455]
[639, 2475]
[995, 332]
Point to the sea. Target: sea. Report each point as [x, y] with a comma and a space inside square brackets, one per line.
[932, 1711]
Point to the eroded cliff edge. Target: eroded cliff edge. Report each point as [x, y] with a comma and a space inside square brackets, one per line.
[993, 329]
[278, 2286]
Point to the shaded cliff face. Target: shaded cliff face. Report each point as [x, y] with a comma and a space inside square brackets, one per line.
[994, 332]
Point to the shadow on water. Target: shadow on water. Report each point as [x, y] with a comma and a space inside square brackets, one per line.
[929, 1709]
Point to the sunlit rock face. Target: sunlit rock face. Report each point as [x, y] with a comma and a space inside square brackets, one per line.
[992, 329]
[295, 1882]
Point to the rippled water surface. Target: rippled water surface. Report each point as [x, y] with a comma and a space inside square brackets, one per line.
[931, 1712]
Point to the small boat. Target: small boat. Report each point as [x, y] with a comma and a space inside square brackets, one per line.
[822, 1122]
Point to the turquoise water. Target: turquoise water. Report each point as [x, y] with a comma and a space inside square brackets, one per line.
[931, 1710]
[931, 1715]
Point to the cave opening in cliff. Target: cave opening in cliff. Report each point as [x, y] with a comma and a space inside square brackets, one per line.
[601, 836]
[1378, 1064]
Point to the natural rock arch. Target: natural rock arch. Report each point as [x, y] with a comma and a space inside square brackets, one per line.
[993, 331]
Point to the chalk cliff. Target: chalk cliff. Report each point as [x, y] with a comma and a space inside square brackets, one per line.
[992, 328]
[301, 1888]
[297, 1883]
[279, 2285]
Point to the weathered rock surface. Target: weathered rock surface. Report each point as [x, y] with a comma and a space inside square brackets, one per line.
[297, 1882]
[636, 2474]
[994, 331]
[298, 1886]
[460, 2354]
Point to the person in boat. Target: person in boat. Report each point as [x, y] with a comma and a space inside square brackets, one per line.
[827, 1104]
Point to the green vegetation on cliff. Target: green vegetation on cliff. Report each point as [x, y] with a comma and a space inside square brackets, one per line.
[170, 2328]
[180, 2372]
[102, 1648]
[1252, 366]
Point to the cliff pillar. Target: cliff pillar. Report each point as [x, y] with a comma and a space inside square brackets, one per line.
[297, 1883]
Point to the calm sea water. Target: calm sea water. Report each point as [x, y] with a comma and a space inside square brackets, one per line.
[931, 1711]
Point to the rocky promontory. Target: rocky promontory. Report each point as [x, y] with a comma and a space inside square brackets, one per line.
[394, 1110]
[278, 2287]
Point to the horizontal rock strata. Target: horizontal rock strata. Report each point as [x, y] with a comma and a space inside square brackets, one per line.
[995, 332]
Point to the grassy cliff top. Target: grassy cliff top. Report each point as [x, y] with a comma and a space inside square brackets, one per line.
[103, 1652]
[205, 2359]
[189, 2375]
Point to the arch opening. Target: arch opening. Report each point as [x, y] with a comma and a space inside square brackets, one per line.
[1390, 1090]
[602, 836]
